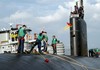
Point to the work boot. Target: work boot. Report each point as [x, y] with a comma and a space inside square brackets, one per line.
[27, 52]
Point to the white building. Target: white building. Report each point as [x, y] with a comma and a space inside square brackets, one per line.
[6, 43]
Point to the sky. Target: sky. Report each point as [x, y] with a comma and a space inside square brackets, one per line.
[51, 15]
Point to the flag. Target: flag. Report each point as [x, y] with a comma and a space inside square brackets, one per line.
[67, 26]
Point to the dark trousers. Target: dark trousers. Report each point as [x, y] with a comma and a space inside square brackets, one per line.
[16, 39]
[12, 39]
[38, 42]
[54, 49]
[21, 45]
[45, 46]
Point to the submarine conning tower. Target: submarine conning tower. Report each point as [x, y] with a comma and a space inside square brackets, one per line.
[78, 31]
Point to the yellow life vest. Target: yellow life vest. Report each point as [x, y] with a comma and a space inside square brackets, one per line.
[12, 35]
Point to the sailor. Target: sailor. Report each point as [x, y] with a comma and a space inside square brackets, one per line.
[45, 41]
[81, 12]
[38, 42]
[12, 36]
[54, 42]
[21, 35]
[97, 52]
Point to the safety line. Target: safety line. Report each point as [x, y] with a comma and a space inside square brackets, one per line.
[81, 65]
[85, 66]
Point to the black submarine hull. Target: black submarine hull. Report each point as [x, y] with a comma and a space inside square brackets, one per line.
[36, 62]
[78, 37]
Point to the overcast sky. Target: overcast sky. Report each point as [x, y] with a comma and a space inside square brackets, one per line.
[51, 15]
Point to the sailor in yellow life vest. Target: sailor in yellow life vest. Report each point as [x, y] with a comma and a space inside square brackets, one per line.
[12, 36]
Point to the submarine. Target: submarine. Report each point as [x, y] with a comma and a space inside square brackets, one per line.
[78, 31]
[77, 61]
